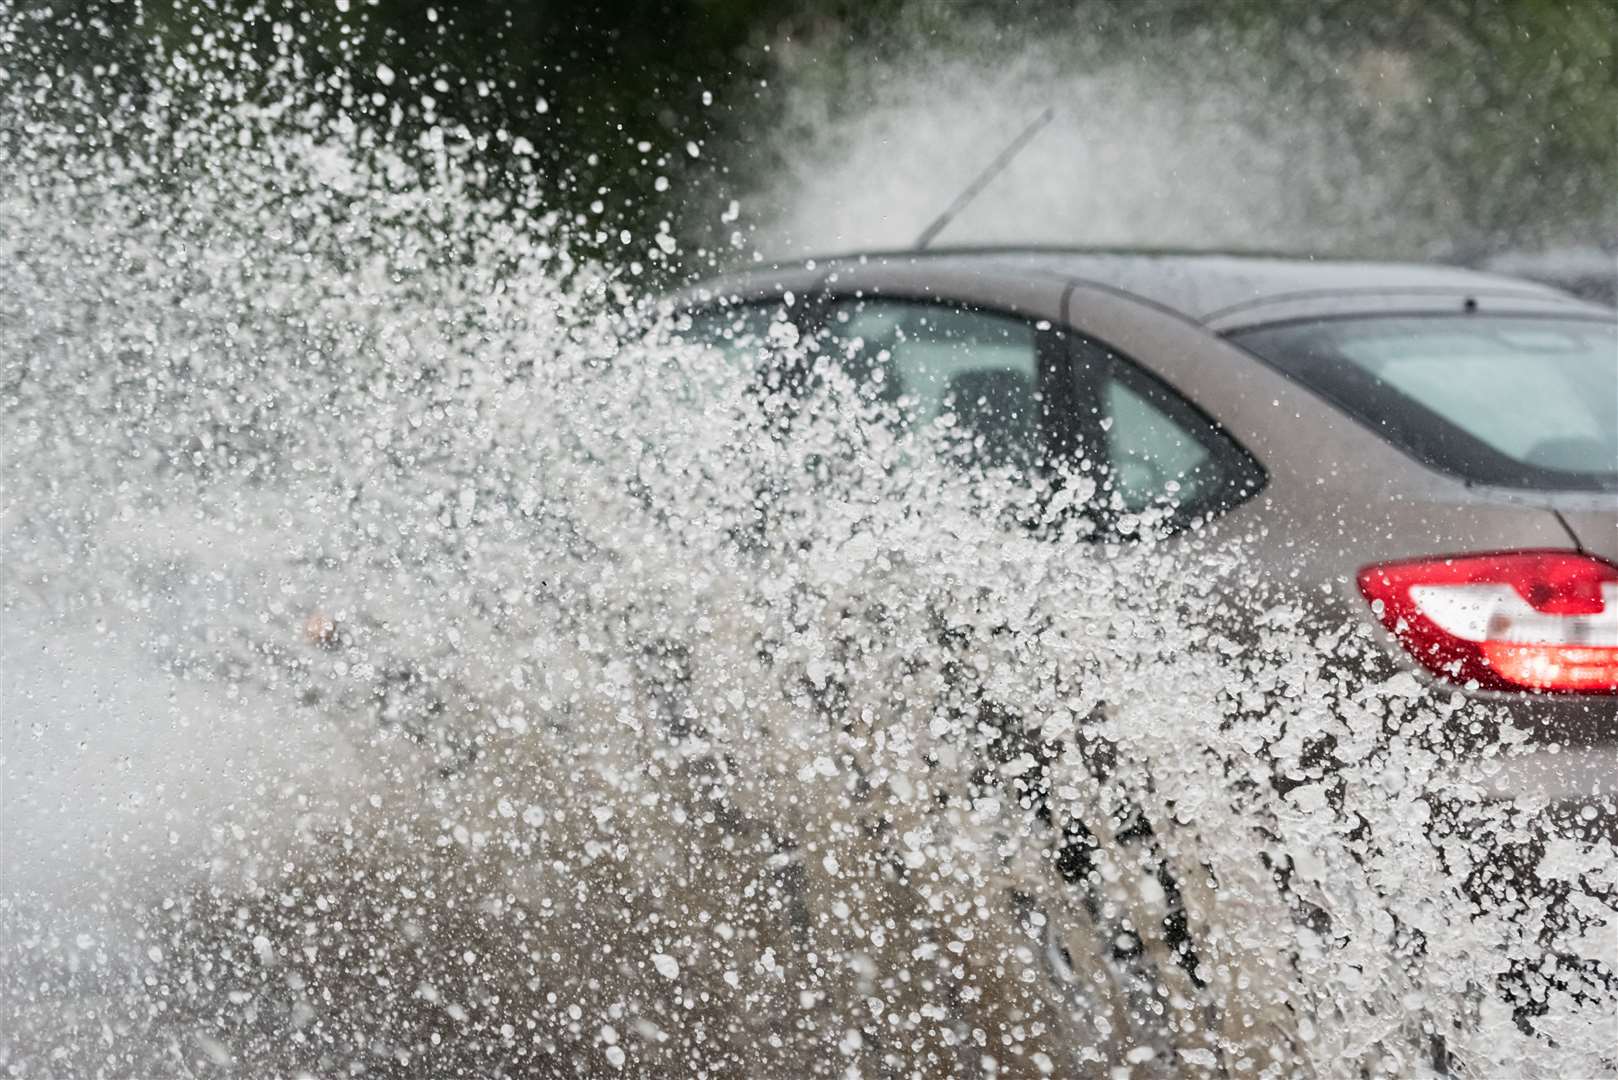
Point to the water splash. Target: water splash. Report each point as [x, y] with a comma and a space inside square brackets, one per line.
[560, 703]
[1181, 148]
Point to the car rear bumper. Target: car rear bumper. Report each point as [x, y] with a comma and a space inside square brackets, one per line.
[1571, 793]
[1560, 775]
[1570, 758]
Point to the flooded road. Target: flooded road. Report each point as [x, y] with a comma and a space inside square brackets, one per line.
[421, 658]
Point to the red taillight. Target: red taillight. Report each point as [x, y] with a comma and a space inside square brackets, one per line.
[1522, 620]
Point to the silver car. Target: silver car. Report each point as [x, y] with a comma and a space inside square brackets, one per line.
[1430, 449]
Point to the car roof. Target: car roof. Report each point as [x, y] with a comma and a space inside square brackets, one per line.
[1221, 290]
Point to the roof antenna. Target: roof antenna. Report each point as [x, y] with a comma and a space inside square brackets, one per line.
[976, 187]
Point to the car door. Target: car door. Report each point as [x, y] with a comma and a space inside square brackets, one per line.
[976, 378]
[1019, 391]
[1025, 395]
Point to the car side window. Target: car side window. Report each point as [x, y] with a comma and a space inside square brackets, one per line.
[747, 332]
[1152, 448]
[974, 373]
[987, 378]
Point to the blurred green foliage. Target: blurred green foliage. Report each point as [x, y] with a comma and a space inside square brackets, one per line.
[1503, 113]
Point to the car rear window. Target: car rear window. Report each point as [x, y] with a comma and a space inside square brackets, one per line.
[1511, 401]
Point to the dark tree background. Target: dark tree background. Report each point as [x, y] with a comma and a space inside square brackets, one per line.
[1513, 103]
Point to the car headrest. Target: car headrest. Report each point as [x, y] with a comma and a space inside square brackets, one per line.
[996, 404]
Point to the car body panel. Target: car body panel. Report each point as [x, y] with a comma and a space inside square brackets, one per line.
[1032, 297]
[1431, 301]
[1596, 528]
[752, 285]
[1338, 496]
[1204, 286]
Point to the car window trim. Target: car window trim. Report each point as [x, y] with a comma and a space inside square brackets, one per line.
[1242, 476]
[1247, 474]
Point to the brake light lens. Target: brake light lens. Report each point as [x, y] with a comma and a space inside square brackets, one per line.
[1521, 620]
